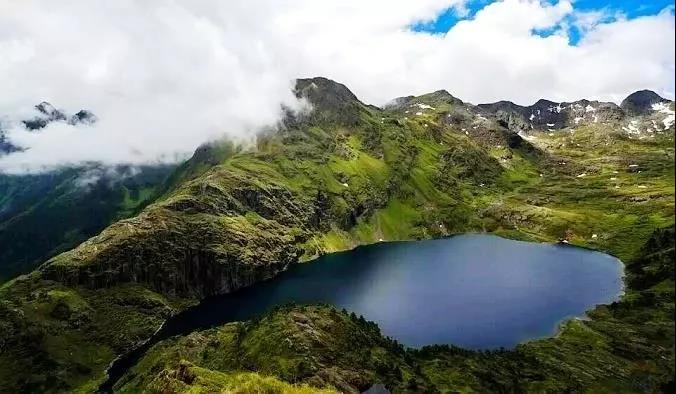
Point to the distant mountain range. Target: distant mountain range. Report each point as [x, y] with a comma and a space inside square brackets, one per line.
[549, 115]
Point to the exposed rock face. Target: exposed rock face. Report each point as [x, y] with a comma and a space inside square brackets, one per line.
[191, 257]
[545, 114]
[332, 102]
[641, 102]
[47, 113]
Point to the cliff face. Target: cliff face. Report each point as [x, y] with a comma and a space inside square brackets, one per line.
[178, 256]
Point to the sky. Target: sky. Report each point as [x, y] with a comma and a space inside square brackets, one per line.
[166, 76]
[611, 11]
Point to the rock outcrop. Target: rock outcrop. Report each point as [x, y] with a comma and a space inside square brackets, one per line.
[549, 115]
[641, 102]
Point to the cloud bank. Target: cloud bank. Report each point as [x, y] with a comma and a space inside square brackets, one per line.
[164, 76]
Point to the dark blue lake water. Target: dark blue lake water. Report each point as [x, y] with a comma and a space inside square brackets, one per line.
[473, 291]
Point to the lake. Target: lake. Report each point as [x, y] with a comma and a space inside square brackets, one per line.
[473, 291]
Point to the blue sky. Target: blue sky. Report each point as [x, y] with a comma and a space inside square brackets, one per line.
[630, 9]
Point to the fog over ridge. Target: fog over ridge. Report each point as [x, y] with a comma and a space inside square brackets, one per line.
[164, 77]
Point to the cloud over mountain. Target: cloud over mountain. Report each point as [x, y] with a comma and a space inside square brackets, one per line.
[163, 77]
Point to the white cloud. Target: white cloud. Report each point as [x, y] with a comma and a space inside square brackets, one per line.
[163, 77]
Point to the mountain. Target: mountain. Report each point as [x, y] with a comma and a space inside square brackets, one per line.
[44, 214]
[342, 175]
[47, 113]
[642, 102]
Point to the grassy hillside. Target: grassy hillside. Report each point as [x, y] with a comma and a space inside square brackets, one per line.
[343, 175]
[45, 214]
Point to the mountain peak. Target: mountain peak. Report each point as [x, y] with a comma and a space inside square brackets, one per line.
[544, 103]
[47, 113]
[442, 96]
[503, 105]
[641, 102]
[331, 101]
[312, 88]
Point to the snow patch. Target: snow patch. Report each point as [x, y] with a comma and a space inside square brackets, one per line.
[662, 107]
[423, 106]
[525, 136]
[632, 128]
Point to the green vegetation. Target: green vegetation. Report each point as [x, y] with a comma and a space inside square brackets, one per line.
[314, 346]
[45, 214]
[343, 175]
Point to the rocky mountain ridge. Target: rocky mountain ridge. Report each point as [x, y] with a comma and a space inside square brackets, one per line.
[46, 113]
[641, 114]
